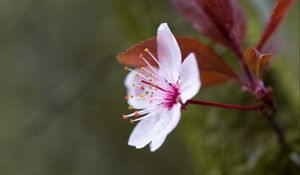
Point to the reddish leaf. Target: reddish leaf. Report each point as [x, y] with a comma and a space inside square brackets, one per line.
[221, 20]
[256, 61]
[279, 12]
[212, 68]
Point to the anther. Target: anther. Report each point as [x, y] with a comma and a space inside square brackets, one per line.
[124, 117]
[126, 68]
[130, 107]
[142, 95]
[137, 74]
[141, 56]
[136, 113]
[146, 50]
[131, 121]
[142, 68]
[133, 85]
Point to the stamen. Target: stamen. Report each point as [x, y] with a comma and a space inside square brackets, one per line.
[126, 68]
[130, 107]
[148, 64]
[136, 114]
[142, 95]
[151, 73]
[146, 116]
[131, 121]
[124, 117]
[137, 73]
[152, 56]
[156, 86]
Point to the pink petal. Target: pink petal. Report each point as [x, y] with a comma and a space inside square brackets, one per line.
[169, 55]
[189, 78]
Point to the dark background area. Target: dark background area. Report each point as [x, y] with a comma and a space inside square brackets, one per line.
[61, 94]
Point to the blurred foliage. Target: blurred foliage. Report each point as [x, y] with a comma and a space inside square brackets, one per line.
[61, 94]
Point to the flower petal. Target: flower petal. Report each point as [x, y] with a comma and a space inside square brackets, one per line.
[157, 142]
[142, 134]
[155, 128]
[189, 78]
[136, 102]
[169, 55]
[169, 120]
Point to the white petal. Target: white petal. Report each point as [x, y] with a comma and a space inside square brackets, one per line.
[169, 120]
[169, 54]
[142, 134]
[136, 102]
[157, 142]
[189, 78]
[155, 128]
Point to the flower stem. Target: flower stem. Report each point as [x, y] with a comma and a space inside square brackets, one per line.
[221, 105]
[245, 67]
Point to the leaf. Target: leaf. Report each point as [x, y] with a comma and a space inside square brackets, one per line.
[280, 10]
[221, 20]
[256, 61]
[212, 68]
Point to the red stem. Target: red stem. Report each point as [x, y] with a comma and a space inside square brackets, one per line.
[221, 105]
[241, 58]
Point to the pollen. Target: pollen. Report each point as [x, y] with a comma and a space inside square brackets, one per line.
[142, 68]
[130, 107]
[131, 121]
[142, 95]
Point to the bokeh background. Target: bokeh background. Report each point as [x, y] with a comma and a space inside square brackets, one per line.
[61, 94]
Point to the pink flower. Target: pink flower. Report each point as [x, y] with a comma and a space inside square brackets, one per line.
[157, 94]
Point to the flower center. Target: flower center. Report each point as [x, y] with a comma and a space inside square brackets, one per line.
[150, 87]
[172, 96]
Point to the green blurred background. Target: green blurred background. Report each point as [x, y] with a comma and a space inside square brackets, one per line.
[61, 94]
